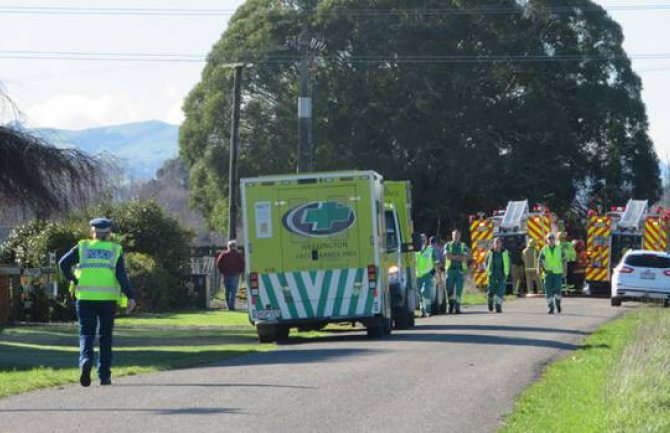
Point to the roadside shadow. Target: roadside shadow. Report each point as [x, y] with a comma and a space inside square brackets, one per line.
[211, 385]
[341, 336]
[175, 411]
[502, 328]
[280, 357]
[486, 340]
[28, 358]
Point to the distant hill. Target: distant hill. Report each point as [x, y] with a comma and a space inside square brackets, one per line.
[141, 148]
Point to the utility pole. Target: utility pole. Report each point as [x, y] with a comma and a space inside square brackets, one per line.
[305, 140]
[234, 145]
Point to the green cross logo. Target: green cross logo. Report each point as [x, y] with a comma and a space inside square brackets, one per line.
[319, 219]
[326, 215]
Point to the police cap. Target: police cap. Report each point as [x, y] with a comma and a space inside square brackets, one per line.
[101, 224]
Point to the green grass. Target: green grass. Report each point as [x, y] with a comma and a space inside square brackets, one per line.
[618, 382]
[203, 318]
[33, 357]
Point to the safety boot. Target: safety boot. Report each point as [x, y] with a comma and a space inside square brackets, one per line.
[85, 374]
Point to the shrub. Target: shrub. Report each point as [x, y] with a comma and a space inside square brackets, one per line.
[150, 282]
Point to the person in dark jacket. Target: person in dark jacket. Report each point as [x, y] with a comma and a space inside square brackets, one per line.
[231, 265]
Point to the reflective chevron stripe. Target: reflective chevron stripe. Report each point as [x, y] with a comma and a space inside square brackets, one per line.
[337, 293]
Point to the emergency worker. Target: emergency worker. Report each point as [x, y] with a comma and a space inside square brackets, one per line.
[426, 262]
[569, 260]
[439, 277]
[580, 265]
[551, 262]
[497, 269]
[101, 270]
[456, 256]
[531, 256]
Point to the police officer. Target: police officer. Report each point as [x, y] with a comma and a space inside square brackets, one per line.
[497, 269]
[426, 261]
[551, 262]
[456, 254]
[101, 270]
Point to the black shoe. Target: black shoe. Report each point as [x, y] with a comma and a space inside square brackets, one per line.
[105, 382]
[551, 311]
[452, 306]
[85, 376]
[498, 308]
[558, 308]
[458, 309]
[490, 308]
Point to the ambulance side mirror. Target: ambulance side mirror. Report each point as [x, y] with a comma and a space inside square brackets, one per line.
[416, 241]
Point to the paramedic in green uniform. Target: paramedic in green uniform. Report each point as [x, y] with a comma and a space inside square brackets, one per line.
[551, 262]
[497, 270]
[456, 254]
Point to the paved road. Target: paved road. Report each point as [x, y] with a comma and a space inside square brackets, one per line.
[449, 374]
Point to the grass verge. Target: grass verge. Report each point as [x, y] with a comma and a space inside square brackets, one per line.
[33, 357]
[618, 382]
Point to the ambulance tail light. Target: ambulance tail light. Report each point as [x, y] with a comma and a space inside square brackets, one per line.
[372, 279]
[253, 279]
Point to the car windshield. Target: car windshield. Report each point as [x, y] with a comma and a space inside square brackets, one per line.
[647, 261]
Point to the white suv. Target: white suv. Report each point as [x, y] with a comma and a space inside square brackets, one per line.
[642, 275]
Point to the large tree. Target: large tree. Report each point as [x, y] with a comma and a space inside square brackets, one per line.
[475, 102]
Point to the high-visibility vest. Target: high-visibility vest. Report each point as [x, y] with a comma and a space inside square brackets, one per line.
[568, 251]
[553, 260]
[424, 262]
[449, 249]
[489, 262]
[97, 266]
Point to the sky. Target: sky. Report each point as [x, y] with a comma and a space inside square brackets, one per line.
[78, 94]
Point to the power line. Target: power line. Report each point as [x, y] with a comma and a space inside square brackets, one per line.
[371, 59]
[490, 10]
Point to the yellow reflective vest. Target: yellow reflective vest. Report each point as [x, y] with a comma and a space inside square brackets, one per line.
[449, 249]
[552, 259]
[489, 262]
[424, 262]
[97, 268]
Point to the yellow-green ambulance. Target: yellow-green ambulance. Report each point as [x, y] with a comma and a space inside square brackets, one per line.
[316, 252]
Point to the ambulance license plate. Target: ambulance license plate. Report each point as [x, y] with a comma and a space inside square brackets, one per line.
[648, 275]
[271, 314]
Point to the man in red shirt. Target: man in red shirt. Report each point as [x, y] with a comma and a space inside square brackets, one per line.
[231, 265]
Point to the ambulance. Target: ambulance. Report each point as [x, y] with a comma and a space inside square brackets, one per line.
[319, 250]
[400, 246]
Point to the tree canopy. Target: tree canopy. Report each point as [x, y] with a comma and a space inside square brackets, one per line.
[476, 103]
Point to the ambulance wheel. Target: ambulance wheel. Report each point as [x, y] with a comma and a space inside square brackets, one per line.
[266, 333]
[403, 321]
[282, 332]
[375, 329]
[616, 302]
